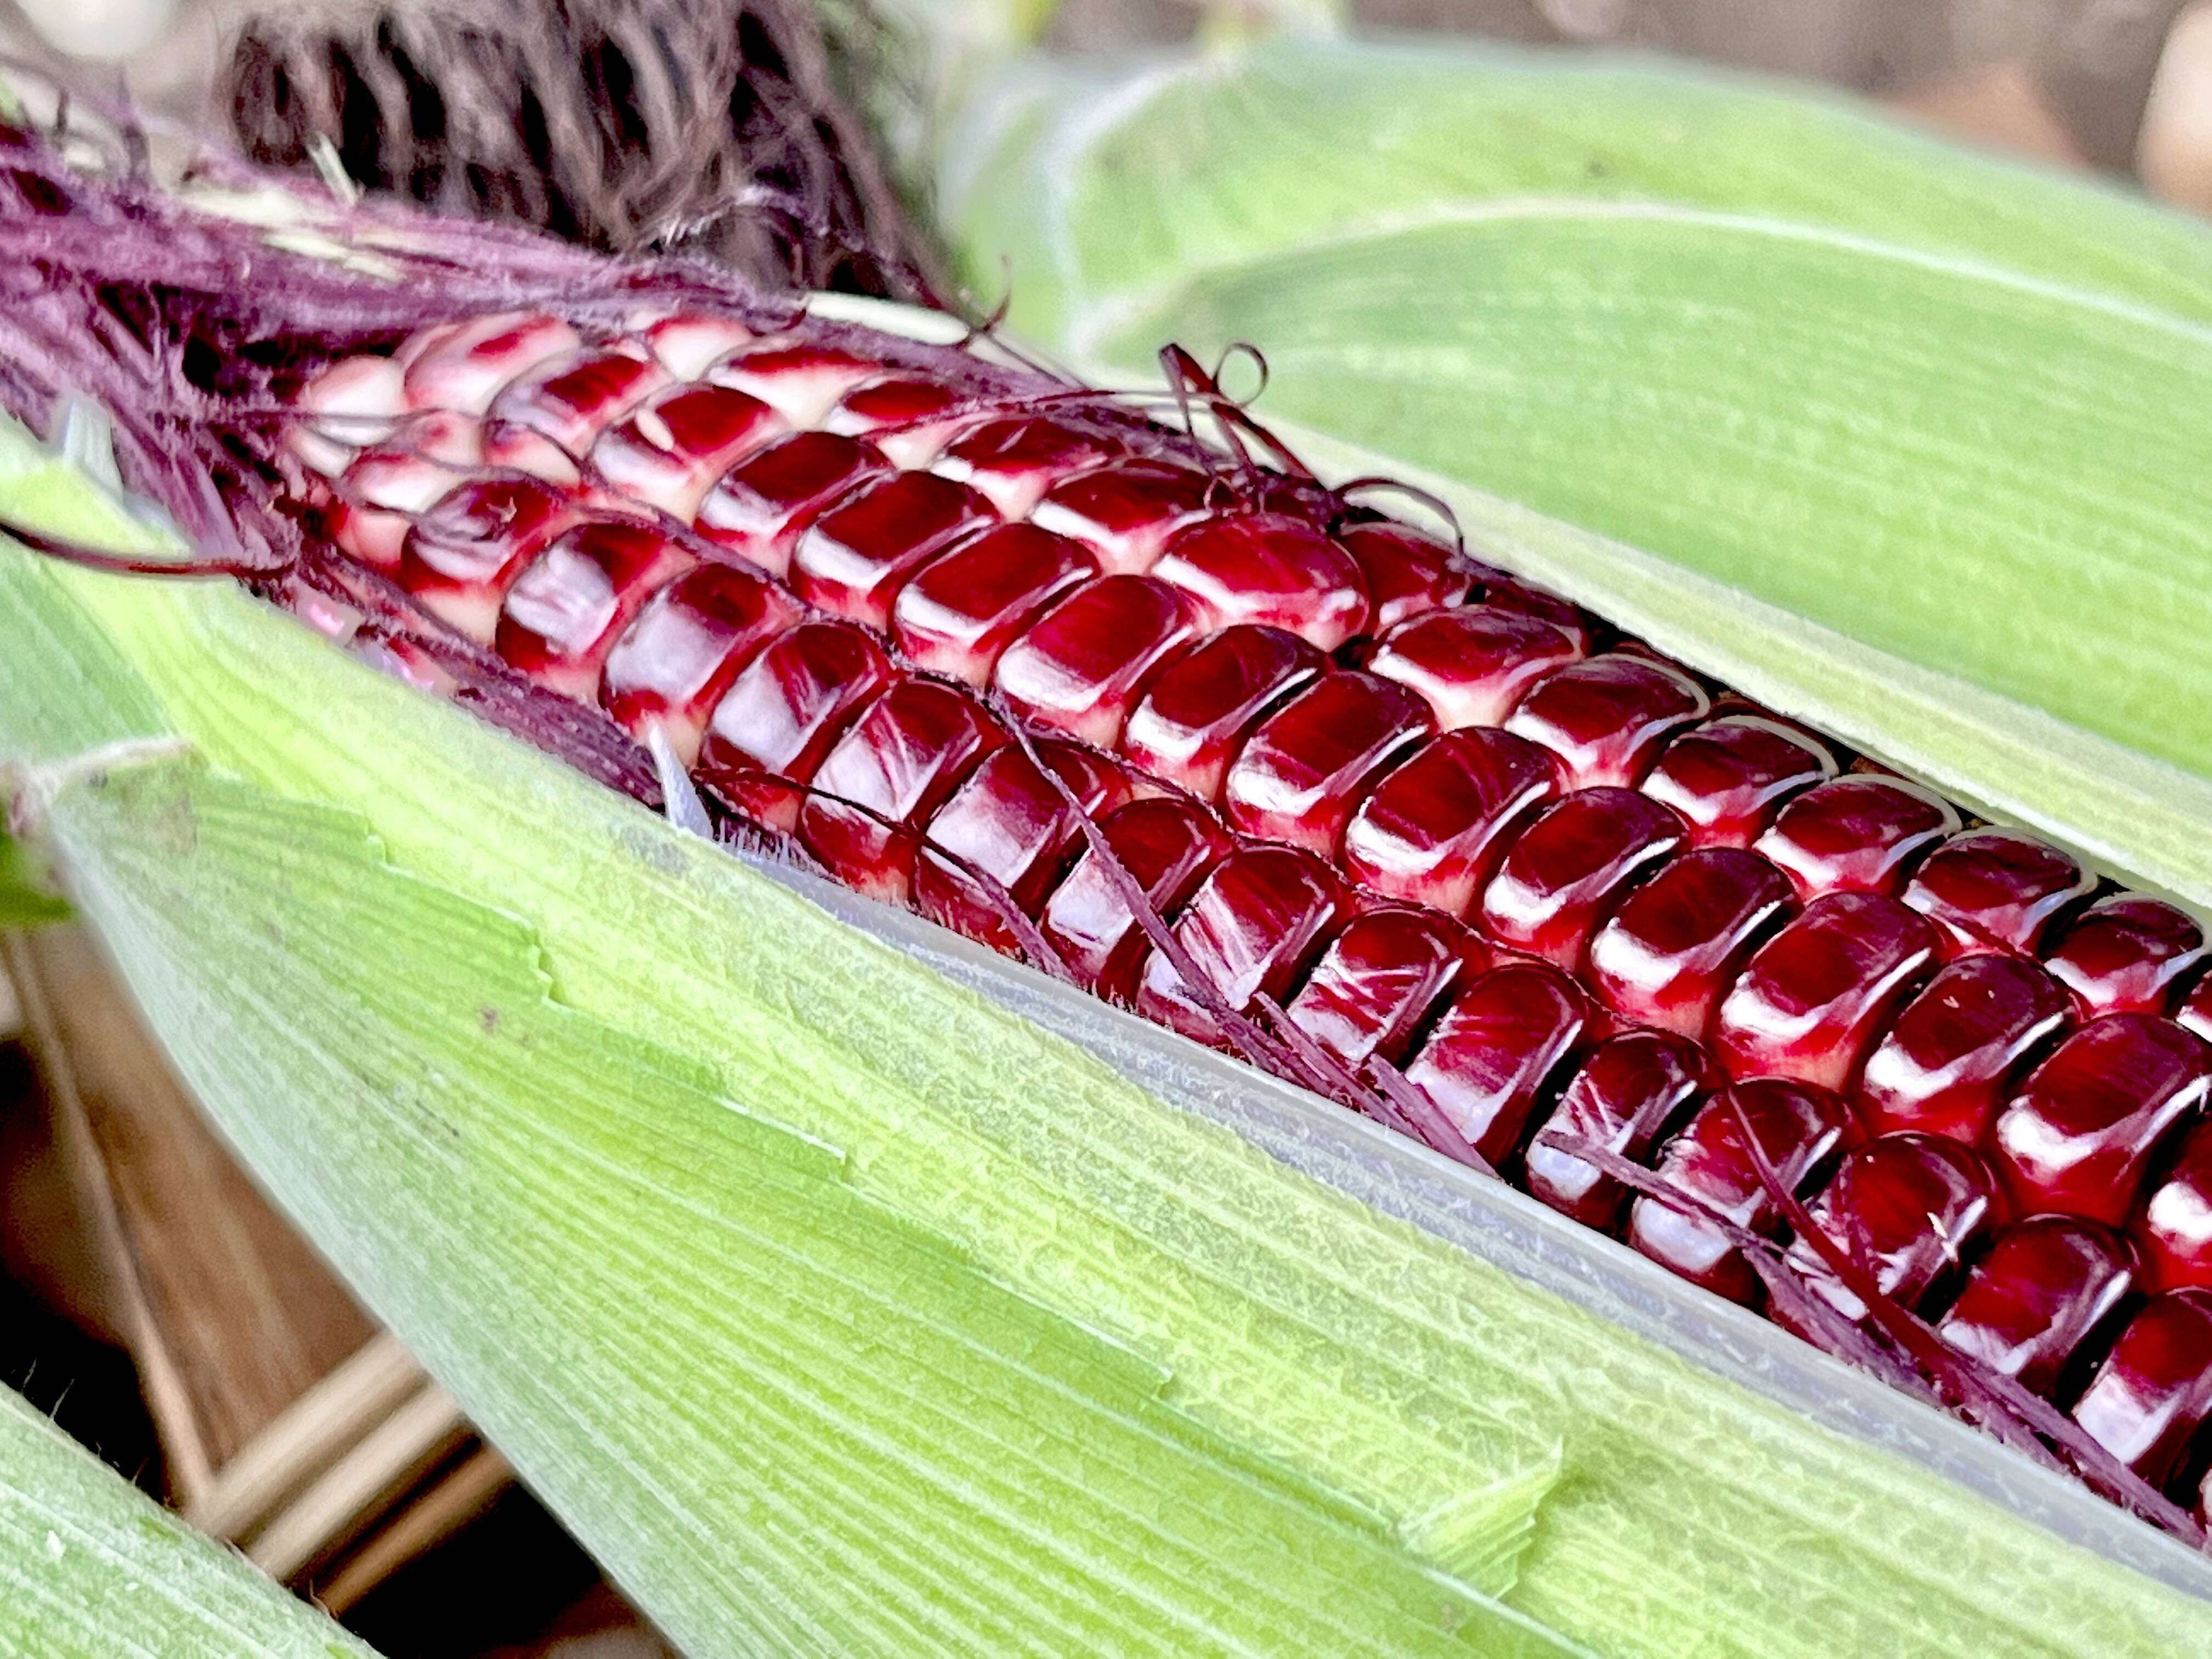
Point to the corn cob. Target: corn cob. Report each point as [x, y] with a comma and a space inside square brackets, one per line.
[1226, 747]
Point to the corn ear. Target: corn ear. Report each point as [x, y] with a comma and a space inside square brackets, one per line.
[837, 1307]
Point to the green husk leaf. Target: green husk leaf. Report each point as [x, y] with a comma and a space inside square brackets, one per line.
[836, 1308]
[1939, 407]
[90, 1568]
[25, 897]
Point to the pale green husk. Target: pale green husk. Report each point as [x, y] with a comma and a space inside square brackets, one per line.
[1947, 412]
[91, 1568]
[838, 1310]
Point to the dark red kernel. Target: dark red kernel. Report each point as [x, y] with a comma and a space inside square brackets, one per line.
[1728, 777]
[908, 416]
[1813, 996]
[2048, 1287]
[782, 712]
[759, 508]
[1948, 1061]
[1009, 822]
[1251, 928]
[1083, 666]
[1856, 835]
[893, 768]
[461, 556]
[1188, 727]
[1628, 1094]
[1126, 514]
[1571, 866]
[2081, 1133]
[1012, 462]
[1270, 569]
[2127, 955]
[675, 663]
[1909, 1209]
[2172, 1230]
[1490, 1059]
[1990, 889]
[798, 380]
[965, 606]
[853, 560]
[1167, 846]
[2153, 1392]
[1433, 831]
[564, 613]
[1798, 1128]
[1379, 981]
[1303, 771]
[1405, 572]
[1666, 956]
[545, 421]
[671, 448]
[1472, 665]
[1608, 717]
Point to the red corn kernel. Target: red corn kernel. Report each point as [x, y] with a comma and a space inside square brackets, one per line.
[678, 659]
[668, 451]
[2126, 955]
[1126, 514]
[564, 613]
[1609, 718]
[1433, 831]
[759, 508]
[1674, 945]
[2046, 1289]
[1502, 1040]
[1856, 835]
[1082, 667]
[1571, 866]
[689, 343]
[1009, 822]
[1380, 979]
[387, 484]
[2153, 1393]
[853, 560]
[1908, 1208]
[1946, 1065]
[908, 416]
[2172, 1230]
[359, 398]
[1799, 1128]
[1502, 594]
[1187, 727]
[1251, 928]
[1728, 777]
[965, 606]
[545, 421]
[783, 711]
[1631, 1091]
[1307, 766]
[1405, 572]
[1168, 847]
[1474, 664]
[1813, 996]
[462, 555]
[464, 368]
[893, 768]
[2081, 1133]
[1269, 568]
[800, 382]
[1012, 462]
[1990, 890]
